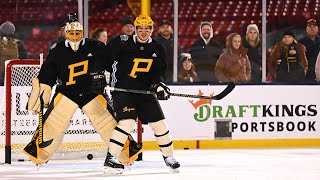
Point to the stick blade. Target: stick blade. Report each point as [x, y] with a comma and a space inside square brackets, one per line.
[225, 92]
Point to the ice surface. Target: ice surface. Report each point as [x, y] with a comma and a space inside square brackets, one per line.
[233, 164]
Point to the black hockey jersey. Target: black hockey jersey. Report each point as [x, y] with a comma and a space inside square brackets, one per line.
[71, 69]
[135, 65]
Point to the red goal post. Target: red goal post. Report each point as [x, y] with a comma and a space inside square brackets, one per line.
[80, 139]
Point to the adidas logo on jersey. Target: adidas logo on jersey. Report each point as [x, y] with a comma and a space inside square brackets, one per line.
[154, 55]
[89, 55]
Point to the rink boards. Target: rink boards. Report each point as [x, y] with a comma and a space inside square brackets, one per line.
[251, 116]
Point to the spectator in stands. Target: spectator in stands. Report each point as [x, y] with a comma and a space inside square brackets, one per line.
[100, 34]
[10, 47]
[233, 65]
[187, 71]
[128, 27]
[312, 43]
[287, 61]
[253, 44]
[205, 53]
[61, 35]
[7, 29]
[165, 37]
[317, 68]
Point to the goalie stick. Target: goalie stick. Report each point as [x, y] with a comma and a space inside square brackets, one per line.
[219, 96]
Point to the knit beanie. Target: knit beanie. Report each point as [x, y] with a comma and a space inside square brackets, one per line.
[7, 28]
[252, 27]
[185, 56]
[290, 33]
[127, 20]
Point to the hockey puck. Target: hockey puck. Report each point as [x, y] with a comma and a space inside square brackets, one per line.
[89, 156]
[20, 160]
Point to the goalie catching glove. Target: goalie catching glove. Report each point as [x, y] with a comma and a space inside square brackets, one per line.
[98, 82]
[38, 89]
[162, 91]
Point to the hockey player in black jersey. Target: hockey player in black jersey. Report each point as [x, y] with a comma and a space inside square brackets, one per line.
[70, 64]
[138, 63]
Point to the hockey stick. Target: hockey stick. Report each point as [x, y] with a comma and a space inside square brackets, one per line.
[42, 144]
[219, 96]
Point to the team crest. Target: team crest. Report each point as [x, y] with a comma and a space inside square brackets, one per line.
[124, 37]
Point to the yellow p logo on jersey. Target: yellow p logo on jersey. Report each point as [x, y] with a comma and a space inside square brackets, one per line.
[73, 74]
[136, 68]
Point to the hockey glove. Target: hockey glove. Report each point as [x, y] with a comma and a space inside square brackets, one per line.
[162, 91]
[98, 82]
[34, 99]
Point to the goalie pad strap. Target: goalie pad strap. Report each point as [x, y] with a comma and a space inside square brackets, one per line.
[56, 121]
[127, 126]
[102, 121]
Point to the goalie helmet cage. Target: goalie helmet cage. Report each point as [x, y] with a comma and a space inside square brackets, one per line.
[17, 125]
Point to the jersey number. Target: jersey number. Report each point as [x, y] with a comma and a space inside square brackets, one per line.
[73, 74]
[136, 68]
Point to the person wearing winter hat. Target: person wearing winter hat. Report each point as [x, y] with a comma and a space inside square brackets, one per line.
[187, 71]
[205, 53]
[61, 34]
[287, 61]
[253, 44]
[289, 33]
[312, 43]
[165, 37]
[10, 47]
[127, 26]
[7, 29]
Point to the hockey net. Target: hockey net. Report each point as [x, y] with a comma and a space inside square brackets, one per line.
[18, 125]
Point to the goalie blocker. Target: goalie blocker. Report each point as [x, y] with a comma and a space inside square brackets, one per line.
[56, 121]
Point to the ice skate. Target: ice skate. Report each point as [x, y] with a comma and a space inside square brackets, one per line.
[172, 164]
[112, 165]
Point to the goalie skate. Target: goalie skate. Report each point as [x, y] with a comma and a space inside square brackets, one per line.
[112, 165]
[172, 164]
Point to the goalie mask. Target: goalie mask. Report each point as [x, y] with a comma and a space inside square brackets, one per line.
[74, 34]
[143, 28]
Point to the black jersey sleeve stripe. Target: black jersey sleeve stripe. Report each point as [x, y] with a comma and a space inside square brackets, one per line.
[162, 134]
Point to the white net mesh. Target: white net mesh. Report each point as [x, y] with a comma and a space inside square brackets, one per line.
[79, 140]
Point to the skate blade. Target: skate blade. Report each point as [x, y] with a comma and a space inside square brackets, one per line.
[109, 170]
[173, 171]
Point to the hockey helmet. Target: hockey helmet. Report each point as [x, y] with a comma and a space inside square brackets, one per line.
[143, 20]
[74, 31]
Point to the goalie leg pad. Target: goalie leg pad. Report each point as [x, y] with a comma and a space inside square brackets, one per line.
[130, 152]
[120, 135]
[56, 122]
[163, 137]
[34, 99]
[102, 121]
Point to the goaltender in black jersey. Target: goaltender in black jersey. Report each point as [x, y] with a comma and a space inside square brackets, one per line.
[71, 65]
[138, 62]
